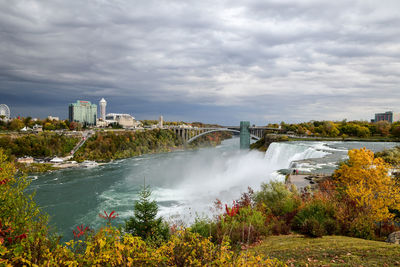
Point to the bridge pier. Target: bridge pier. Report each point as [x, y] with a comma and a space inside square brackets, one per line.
[244, 135]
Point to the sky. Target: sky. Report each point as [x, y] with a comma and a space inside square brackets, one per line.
[212, 61]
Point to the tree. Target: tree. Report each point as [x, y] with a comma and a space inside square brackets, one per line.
[144, 223]
[75, 126]
[383, 128]
[330, 129]
[366, 181]
[395, 130]
[27, 121]
[20, 217]
[16, 125]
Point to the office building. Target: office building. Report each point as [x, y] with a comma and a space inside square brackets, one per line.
[83, 112]
[389, 116]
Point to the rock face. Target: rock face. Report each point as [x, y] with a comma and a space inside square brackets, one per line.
[268, 139]
[394, 238]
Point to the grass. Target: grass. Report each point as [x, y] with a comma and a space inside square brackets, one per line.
[296, 250]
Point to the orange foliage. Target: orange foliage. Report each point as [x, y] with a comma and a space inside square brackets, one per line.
[365, 180]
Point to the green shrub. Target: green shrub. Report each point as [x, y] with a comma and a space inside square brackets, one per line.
[362, 227]
[277, 199]
[312, 228]
[279, 226]
[204, 227]
[316, 219]
[247, 226]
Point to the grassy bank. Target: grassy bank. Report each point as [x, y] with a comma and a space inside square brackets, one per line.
[329, 251]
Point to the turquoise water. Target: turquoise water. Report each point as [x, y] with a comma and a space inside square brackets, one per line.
[184, 183]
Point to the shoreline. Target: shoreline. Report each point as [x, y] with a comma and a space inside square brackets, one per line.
[333, 139]
[50, 167]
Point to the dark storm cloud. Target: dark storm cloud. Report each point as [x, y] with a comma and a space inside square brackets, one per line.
[212, 61]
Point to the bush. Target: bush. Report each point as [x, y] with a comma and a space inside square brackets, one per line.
[312, 228]
[316, 219]
[277, 199]
[363, 227]
[204, 227]
[279, 226]
[190, 249]
[246, 226]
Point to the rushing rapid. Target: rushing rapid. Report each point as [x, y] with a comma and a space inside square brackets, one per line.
[184, 183]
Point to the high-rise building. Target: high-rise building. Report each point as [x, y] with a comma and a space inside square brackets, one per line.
[389, 116]
[103, 104]
[83, 112]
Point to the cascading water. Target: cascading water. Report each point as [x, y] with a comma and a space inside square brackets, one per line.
[211, 174]
[281, 155]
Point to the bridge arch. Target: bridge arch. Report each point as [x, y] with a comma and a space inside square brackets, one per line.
[219, 130]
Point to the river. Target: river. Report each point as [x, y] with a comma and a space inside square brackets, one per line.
[184, 183]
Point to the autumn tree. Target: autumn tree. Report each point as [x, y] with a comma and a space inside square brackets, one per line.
[395, 130]
[16, 125]
[365, 181]
[330, 129]
[383, 127]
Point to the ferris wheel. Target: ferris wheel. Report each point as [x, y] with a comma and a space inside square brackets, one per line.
[4, 111]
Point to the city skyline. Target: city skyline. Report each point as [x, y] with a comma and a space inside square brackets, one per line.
[215, 62]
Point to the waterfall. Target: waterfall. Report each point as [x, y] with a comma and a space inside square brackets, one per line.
[281, 155]
[212, 174]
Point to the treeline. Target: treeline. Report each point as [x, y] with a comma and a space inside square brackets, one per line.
[106, 146]
[47, 124]
[103, 146]
[38, 145]
[211, 139]
[343, 128]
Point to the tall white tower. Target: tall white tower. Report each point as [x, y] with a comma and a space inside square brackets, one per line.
[161, 123]
[103, 104]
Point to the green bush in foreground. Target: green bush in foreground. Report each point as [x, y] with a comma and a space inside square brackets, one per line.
[144, 223]
[316, 219]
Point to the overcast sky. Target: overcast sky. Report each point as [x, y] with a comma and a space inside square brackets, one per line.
[213, 61]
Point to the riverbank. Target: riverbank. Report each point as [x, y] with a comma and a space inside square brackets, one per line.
[346, 139]
[107, 146]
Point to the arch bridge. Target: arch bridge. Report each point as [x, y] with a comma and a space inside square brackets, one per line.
[189, 134]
